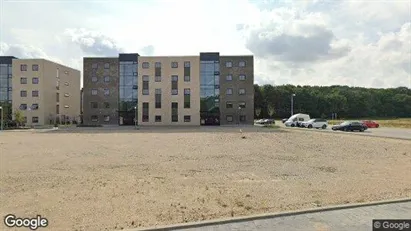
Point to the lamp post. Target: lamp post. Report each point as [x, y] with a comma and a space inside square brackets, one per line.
[1, 115]
[135, 117]
[239, 115]
[292, 104]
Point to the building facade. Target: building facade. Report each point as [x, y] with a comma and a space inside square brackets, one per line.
[6, 78]
[168, 90]
[45, 92]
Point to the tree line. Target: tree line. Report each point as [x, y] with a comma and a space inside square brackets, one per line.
[323, 101]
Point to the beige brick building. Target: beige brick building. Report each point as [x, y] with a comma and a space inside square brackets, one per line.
[169, 90]
[45, 92]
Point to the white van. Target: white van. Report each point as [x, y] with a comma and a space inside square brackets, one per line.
[296, 120]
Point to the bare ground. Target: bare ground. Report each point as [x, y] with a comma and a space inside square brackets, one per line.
[106, 181]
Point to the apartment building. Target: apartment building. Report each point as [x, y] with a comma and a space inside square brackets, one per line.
[45, 92]
[168, 90]
[5, 78]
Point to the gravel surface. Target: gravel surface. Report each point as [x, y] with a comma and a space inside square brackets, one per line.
[105, 181]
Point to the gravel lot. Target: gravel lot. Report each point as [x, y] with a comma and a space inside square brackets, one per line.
[97, 180]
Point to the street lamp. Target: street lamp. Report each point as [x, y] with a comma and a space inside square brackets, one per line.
[292, 104]
[1, 115]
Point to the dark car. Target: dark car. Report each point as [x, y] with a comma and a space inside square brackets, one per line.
[350, 126]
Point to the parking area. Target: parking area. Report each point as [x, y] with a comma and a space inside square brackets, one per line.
[397, 133]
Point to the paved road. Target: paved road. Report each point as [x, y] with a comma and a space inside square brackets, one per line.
[359, 219]
[401, 133]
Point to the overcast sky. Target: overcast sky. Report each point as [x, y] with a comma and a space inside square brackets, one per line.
[313, 42]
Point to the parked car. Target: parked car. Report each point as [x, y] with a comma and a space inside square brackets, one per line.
[315, 123]
[260, 121]
[284, 120]
[268, 121]
[296, 120]
[350, 126]
[370, 123]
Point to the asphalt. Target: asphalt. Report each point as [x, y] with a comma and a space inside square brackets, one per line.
[357, 217]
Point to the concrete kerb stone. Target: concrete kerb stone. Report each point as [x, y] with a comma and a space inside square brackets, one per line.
[267, 216]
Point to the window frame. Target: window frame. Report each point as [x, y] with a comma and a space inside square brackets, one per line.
[35, 67]
[229, 88]
[174, 64]
[227, 64]
[33, 80]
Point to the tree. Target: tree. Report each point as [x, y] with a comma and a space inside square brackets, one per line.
[270, 109]
[258, 112]
[18, 117]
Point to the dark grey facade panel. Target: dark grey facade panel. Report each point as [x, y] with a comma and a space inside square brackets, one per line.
[128, 57]
[209, 56]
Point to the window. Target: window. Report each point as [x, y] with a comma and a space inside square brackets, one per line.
[241, 64]
[94, 66]
[242, 118]
[229, 91]
[23, 106]
[107, 66]
[94, 105]
[66, 95]
[57, 109]
[35, 67]
[106, 79]
[228, 105]
[34, 119]
[25, 119]
[174, 64]
[135, 87]
[106, 105]
[135, 73]
[34, 106]
[35, 80]
[229, 78]
[145, 65]
[241, 91]
[174, 85]
[94, 79]
[229, 118]
[187, 78]
[145, 112]
[145, 85]
[157, 65]
[58, 85]
[187, 64]
[157, 78]
[23, 93]
[157, 118]
[93, 91]
[228, 64]
[106, 91]
[241, 104]
[106, 118]
[241, 77]
[34, 93]
[187, 118]
[23, 80]
[187, 96]
[23, 67]
[94, 118]
[174, 112]
[158, 98]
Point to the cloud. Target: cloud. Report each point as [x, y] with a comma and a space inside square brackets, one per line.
[147, 50]
[93, 43]
[294, 37]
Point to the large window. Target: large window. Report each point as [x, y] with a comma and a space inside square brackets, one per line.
[158, 98]
[146, 80]
[187, 96]
[174, 85]
[174, 112]
[145, 112]
[128, 90]
[210, 91]
[174, 64]
[35, 67]
[23, 93]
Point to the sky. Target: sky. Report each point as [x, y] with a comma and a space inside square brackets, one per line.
[301, 42]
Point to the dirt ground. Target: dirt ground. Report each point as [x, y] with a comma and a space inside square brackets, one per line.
[98, 180]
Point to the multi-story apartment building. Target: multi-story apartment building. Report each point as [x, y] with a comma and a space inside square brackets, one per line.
[45, 92]
[208, 89]
[6, 85]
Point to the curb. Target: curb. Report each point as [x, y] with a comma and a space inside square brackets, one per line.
[266, 216]
[346, 133]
